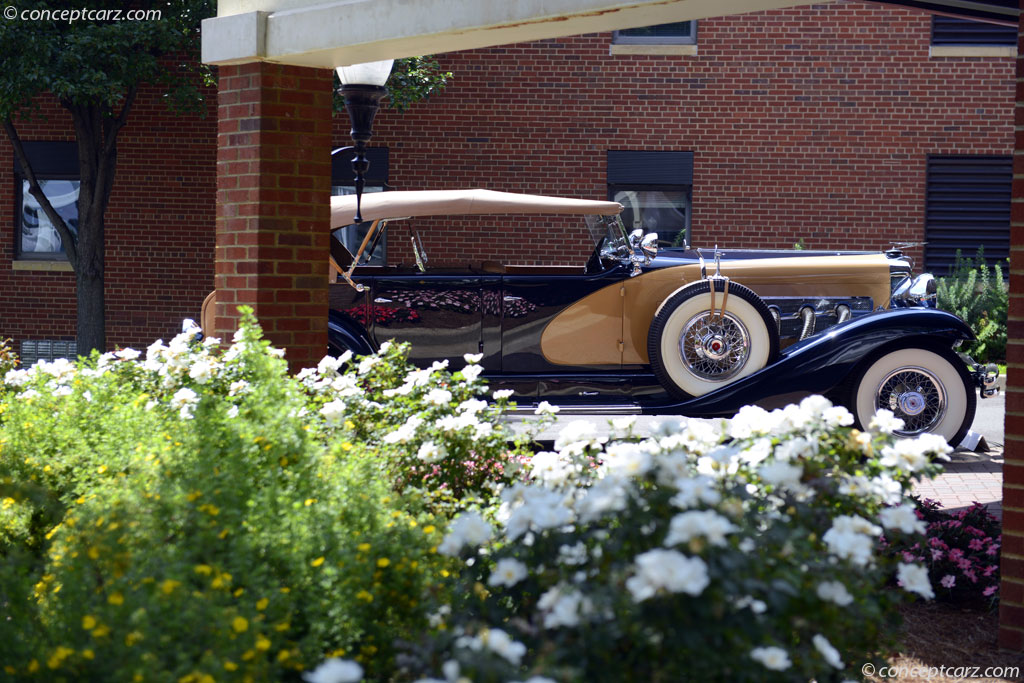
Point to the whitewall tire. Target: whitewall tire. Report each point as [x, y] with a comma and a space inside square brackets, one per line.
[930, 390]
[694, 351]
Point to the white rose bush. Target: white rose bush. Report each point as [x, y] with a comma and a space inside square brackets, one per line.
[733, 551]
[193, 513]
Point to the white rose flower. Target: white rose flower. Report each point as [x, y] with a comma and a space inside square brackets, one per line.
[502, 393]
[827, 651]
[834, 591]
[472, 357]
[885, 421]
[563, 606]
[438, 397]
[507, 572]
[837, 416]
[902, 518]
[545, 408]
[333, 412]
[469, 528]
[430, 452]
[914, 579]
[201, 371]
[471, 372]
[667, 570]
[335, 671]
[779, 473]
[501, 643]
[774, 658]
[694, 523]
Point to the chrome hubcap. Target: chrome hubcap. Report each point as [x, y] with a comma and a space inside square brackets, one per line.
[914, 395]
[714, 348]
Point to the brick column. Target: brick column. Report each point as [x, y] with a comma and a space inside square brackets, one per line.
[273, 204]
[1011, 593]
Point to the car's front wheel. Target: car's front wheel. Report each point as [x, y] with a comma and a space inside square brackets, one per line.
[696, 347]
[930, 390]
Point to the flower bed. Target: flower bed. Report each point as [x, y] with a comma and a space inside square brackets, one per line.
[195, 514]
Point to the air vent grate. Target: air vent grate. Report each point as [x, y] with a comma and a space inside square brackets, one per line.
[46, 349]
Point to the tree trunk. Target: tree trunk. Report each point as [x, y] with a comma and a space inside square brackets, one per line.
[91, 332]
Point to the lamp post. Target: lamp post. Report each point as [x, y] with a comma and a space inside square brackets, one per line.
[362, 86]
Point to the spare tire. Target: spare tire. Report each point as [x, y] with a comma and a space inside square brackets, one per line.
[694, 351]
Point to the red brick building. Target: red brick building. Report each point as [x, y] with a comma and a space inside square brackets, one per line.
[837, 125]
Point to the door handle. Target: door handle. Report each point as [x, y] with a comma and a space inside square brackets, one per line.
[588, 393]
[381, 300]
[512, 298]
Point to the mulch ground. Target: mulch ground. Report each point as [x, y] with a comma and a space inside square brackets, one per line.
[964, 641]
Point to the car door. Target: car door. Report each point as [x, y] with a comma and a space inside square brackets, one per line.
[530, 302]
[439, 314]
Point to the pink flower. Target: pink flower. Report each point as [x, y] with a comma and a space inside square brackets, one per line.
[990, 591]
[972, 576]
[990, 570]
[908, 557]
[936, 555]
[992, 549]
[948, 581]
[976, 544]
[956, 554]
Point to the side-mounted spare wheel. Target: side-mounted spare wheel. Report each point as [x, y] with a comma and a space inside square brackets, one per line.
[929, 389]
[696, 347]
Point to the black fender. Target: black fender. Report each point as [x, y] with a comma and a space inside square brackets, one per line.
[821, 362]
[345, 334]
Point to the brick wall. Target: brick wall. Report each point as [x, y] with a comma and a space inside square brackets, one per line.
[811, 123]
[1011, 594]
[159, 229]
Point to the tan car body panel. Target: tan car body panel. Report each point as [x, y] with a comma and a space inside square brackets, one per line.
[610, 326]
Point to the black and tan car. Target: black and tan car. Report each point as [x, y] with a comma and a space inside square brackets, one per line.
[681, 331]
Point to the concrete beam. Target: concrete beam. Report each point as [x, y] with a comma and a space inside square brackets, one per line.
[352, 31]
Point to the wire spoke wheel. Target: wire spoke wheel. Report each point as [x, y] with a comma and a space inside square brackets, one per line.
[914, 395]
[714, 348]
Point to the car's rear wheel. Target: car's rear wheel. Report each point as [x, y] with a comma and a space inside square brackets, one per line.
[695, 348]
[930, 390]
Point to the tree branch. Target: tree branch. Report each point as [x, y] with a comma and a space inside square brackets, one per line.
[66, 236]
[111, 130]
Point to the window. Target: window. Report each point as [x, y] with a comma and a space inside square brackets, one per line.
[967, 205]
[56, 168]
[656, 190]
[954, 31]
[343, 183]
[678, 33]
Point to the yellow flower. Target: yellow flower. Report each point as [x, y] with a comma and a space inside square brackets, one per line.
[230, 666]
[283, 626]
[100, 631]
[286, 589]
[167, 586]
[209, 509]
[363, 547]
[429, 529]
[115, 599]
[309, 501]
[283, 655]
[247, 655]
[203, 569]
[101, 469]
[262, 604]
[364, 595]
[88, 622]
[262, 643]
[33, 666]
[317, 562]
[346, 446]
[132, 638]
[238, 592]
[349, 424]
[88, 654]
[93, 553]
[383, 562]
[223, 534]
[193, 495]
[240, 624]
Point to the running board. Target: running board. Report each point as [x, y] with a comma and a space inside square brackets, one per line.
[576, 409]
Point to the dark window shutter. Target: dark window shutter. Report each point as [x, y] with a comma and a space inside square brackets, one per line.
[50, 159]
[341, 167]
[967, 205]
[650, 168]
[954, 31]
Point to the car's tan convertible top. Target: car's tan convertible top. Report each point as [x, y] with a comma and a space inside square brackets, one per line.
[406, 204]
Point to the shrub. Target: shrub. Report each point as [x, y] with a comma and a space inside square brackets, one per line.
[8, 359]
[197, 514]
[979, 295]
[743, 554]
[961, 551]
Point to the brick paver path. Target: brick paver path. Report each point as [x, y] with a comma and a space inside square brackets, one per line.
[968, 477]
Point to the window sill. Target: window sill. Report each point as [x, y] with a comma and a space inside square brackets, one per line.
[973, 51]
[45, 266]
[648, 49]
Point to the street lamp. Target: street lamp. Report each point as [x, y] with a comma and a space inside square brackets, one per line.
[362, 86]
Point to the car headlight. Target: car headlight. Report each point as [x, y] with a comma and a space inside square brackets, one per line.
[917, 292]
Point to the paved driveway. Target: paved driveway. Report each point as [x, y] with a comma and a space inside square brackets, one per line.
[968, 476]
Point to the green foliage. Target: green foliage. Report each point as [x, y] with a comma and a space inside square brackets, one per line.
[182, 517]
[980, 295]
[97, 62]
[8, 358]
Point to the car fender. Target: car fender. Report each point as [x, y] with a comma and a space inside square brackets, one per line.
[820, 363]
[343, 333]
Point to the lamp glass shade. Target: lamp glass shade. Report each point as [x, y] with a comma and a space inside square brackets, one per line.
[368, 73]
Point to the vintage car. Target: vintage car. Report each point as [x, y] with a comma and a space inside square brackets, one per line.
[678, 331]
